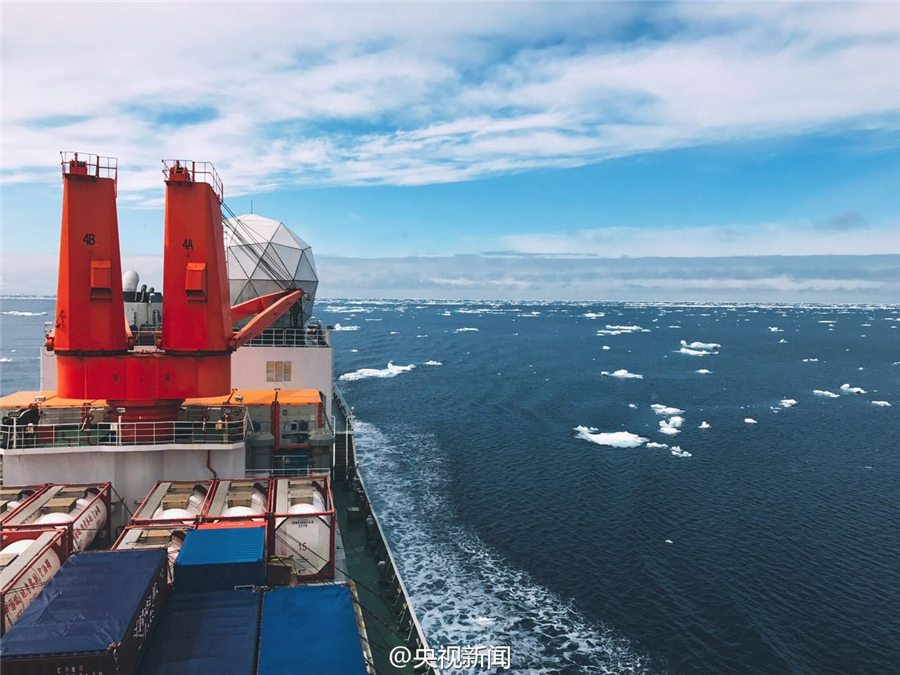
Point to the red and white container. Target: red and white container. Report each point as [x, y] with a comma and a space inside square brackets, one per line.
[303, 525]
[82, 510]
[29, 558]
[177, 501]
[13, 497]
[239, 499]
[169, 537]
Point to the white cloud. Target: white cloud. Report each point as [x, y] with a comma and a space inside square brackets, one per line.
[284, 93]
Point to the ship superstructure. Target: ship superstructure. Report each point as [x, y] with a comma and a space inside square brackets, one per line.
[184, 420]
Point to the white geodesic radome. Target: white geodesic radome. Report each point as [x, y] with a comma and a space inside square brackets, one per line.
[263, 256]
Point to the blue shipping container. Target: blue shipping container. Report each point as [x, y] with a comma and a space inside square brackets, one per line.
[94, 616]
[310, 630]
[219, 559]
[213, 632]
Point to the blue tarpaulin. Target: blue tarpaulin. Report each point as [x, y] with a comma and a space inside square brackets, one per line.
[310, 631]
[214, 632]
[88, 606]
[219, 559]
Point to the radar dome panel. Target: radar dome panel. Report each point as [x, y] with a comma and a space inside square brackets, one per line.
[265, 256]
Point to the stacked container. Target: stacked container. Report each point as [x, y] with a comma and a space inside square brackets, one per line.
[82, 510]
[167, 537]
[28, 560]
[94, 616]
[303, 526]
[13, 497]
[215, 558]
[180, 502]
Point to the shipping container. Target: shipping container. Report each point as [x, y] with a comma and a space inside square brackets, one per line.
[303, 526]
[221, 558]
[81, 509]
[213, 632]
[12, 497]
[310, 629]
[239, 499]
[167, 537]
[28, 560]
[94, 616]
[178, 501]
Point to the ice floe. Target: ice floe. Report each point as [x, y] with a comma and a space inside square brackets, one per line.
[466, 330]
[695, 352]
[605, 347]
[787, 402]
[651, 444]
[775, 329]
[615, 439]
[705, 346]
[621, 330]
[678, 452]
[15, 312]
[338, 327]
[704, 425]
[847, 389]
[668, 411]
[704, 371]
[433, 363]
[622, 374]
[881, 404]
[595, 315]
[810, 360]
[363, 373]
[3, 359]
[826, 394]
[749, 420]
[671, 426]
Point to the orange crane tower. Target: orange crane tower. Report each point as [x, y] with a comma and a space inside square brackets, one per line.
[95, 354]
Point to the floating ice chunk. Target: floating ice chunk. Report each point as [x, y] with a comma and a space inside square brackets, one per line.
[704, 371]
[828, 322]
[882, 404]
[354, 351]
[704, 425]
[595, 315]
[605, 347]
[810, 360]
[615, 439]
[421, 336]
[363, 373]
[775, 329]
[620, 330]
[666, 410]
[632, 405]
[466, 330]
[668, 541]
[338, 327]
[749, 420]
[671, 426]
[484, 621]
[847, 389]
[657, 445]
[3, 359]
[705, 346]
[826, 394]
[788, 402]
[672, 326]
[782, 341]
[695, 352]
[678, 452]
[15, 312]
[433, 363]
[395, 332]
[622, 374]
[447, 313]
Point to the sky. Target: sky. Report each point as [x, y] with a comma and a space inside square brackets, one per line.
[548, 150]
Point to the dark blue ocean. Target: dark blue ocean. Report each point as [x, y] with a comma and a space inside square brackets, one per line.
[534, 502]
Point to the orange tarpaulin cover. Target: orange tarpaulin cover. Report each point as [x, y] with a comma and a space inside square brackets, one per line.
[23, 399]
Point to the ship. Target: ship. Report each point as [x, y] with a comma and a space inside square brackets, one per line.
[183, 493]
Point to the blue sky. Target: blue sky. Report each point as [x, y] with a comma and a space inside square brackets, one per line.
[536, 130]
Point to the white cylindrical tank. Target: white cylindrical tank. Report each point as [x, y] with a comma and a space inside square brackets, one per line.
[43, 567]
[304, 537]
[89, 519]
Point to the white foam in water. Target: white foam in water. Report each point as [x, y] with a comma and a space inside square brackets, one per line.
[456, 581]
[847, 389]
[787, 402]
[704, 371]
[14, 312]
[363, 373]
[622, 374]
[615, 439]
[882, 404]
[433, 363]
[339, 327]
[666, 410]
[750, 420]
[826, 394]
[466, 330]
[704, 425]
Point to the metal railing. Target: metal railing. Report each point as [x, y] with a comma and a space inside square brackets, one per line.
[182, 432]
[287, 473]
[291, 337]
[199, 172]
[93, 165]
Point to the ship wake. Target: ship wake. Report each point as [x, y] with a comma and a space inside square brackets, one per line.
[464, 592]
